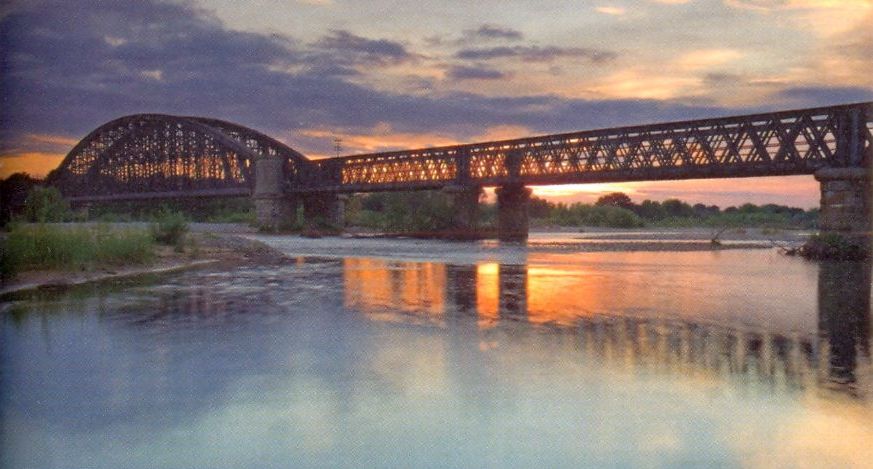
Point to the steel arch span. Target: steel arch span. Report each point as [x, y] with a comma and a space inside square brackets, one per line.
[149, 156]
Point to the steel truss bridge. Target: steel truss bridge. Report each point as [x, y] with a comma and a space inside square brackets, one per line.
[152, 156]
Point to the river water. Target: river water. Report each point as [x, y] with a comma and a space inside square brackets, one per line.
[377, 353]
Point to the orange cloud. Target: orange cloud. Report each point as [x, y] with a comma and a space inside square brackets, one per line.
[383, 138]
[50, 139]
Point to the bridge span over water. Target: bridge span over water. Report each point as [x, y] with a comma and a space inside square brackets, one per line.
[153, 156]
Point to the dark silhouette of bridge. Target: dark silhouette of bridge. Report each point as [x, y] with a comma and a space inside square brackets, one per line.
[151, 156]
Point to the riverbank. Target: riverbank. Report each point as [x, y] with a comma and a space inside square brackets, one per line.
[202, 249]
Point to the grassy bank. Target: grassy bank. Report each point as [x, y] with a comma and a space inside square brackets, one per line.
[45, 247]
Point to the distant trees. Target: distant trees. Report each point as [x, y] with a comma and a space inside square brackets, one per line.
[615, 199]
[618, 210]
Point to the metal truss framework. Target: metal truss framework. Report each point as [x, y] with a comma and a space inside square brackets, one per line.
[781, 143]
[160, 156]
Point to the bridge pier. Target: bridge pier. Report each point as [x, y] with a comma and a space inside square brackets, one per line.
[512, 216]
[846, 204]
[273, 207]
[324, 210]
[465, 206]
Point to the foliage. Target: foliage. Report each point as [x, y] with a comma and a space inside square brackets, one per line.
[834, 246]
[33, 247]
[403, 211]
[44, 205]
[13, 193]
[594, 215]
[615, 199]
[170, 228]
[672, 213]
[231, 210]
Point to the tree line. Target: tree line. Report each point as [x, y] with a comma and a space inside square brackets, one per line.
[22, 197]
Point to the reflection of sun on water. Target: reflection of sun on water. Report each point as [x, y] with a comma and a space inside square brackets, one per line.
[487, 294]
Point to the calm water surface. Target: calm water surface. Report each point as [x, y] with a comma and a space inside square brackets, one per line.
[490, 357]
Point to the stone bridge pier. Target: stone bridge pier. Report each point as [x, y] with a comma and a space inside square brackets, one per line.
[846, 205]
[274, 208]
[512, 214]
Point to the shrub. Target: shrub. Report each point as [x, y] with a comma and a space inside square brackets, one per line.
[45, 204]
[834, 246]
[170, 229]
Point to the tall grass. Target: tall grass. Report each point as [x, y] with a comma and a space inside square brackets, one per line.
[36, 247]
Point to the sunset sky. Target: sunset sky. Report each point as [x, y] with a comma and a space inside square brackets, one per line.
[385, 75]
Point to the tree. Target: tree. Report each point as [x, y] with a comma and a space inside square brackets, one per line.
[13, 193]
[46, 204]
[650, 210]
[539, 208]
[677, 208]
[615, 199]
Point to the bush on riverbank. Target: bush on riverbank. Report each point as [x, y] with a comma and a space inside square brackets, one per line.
[38, 247]
[833, 246]
[170, 229]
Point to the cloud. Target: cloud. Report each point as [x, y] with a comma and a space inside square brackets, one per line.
[707, 58]
[64, 78]
[824, 96]
[614, 11]
[822, 17]
[463, 72]
[536, 53]
[488, 31]
[368, 50]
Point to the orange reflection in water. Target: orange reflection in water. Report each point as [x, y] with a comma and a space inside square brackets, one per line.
[376, 286]
[487, 293]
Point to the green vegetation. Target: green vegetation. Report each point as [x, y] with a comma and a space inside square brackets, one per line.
[46, 204]
[833, 246]
[233, 210]
[432, 211]
[170, 228]
[35, 247]
[617, 210]
[402, 211]
[13, 193]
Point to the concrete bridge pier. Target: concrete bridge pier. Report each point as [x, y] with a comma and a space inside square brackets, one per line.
[465, 205]
[846, 205]
[274, 208]
[324, 210]
[512, 216]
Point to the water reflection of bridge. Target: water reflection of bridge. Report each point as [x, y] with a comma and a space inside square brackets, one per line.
[492, 297]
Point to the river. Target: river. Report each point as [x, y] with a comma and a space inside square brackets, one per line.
[402, 353]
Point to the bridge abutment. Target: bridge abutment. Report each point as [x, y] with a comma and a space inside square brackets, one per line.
[512, 214]
[846, 204]
[324, 210]
[465, 205]
[274, 208]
